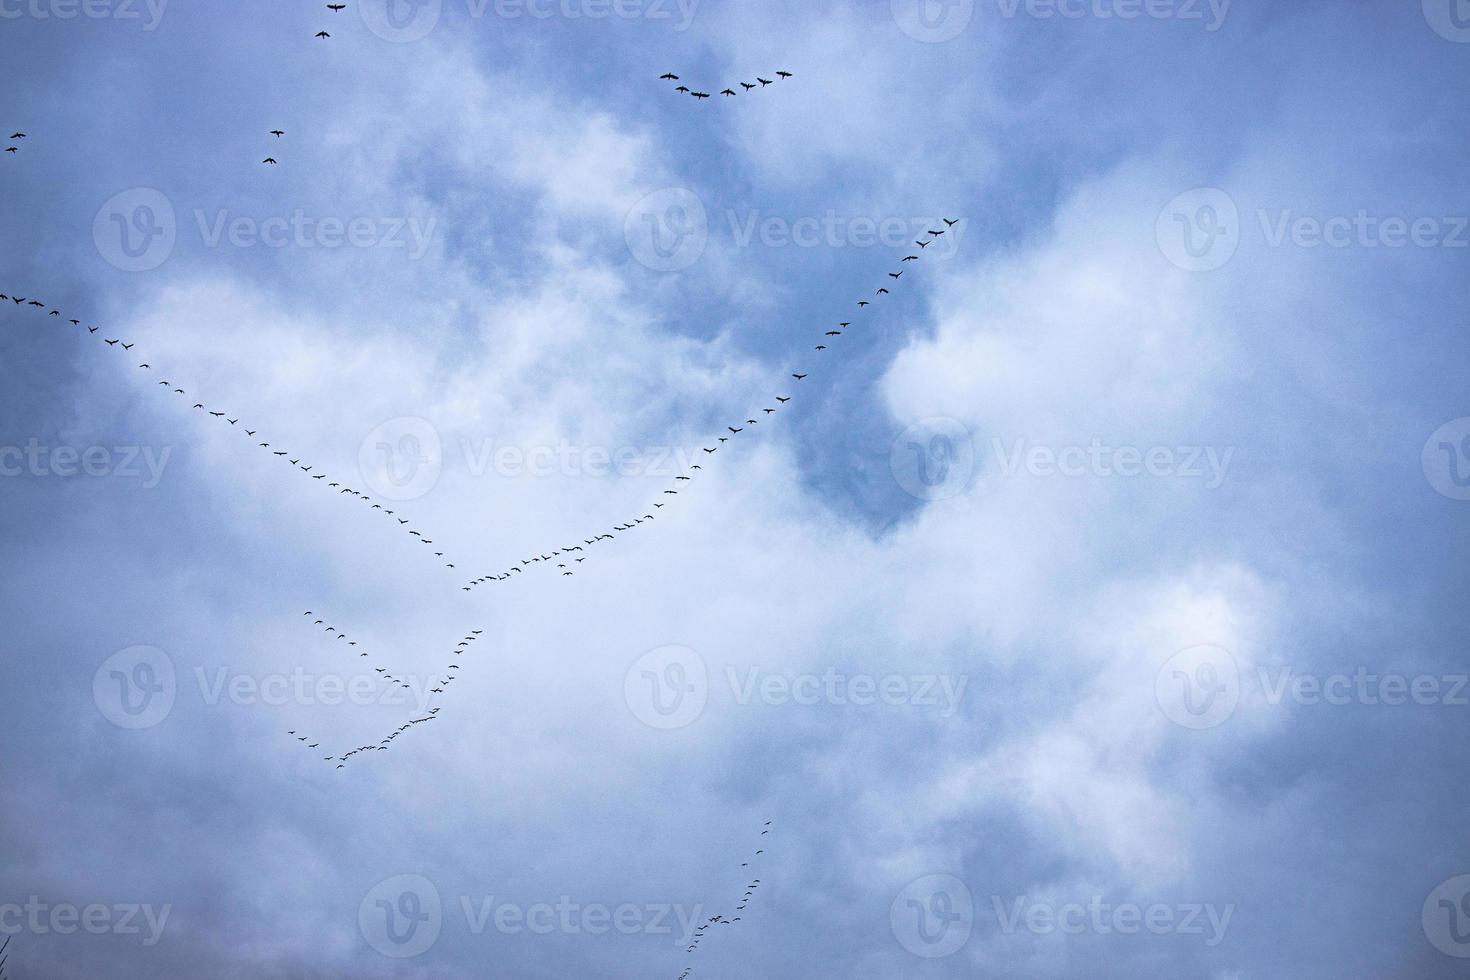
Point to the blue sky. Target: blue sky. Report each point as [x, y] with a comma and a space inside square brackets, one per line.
[1066, 595]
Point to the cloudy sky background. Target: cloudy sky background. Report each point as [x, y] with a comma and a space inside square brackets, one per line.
[532, 313]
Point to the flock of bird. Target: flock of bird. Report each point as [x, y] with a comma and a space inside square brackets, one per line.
[729, 91]
[307, 470]
[441, 685]
[711, 925]
[565, 558]
[277, 133]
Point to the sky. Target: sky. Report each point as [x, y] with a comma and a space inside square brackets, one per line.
[1095, 608]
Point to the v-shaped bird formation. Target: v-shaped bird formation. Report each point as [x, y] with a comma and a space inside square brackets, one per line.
[729, 91]
[565, 559]
[435, 686]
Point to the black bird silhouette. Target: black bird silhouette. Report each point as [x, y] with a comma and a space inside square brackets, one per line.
[17, 136]
[728, 92]
[321, 34]
[951, 222]
[747, 86]
[782, 400]
[894, 275]
[336, 6]
[910, 258]
[734, 430]
[922, 244]
[669, 77]
[798, 377]
[783, 74]
[764, 81]
[682, 88]
[269, 160]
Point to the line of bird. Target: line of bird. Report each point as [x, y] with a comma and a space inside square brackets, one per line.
[461, 650]
[14, 138]
[567, 557]
[729, 92]
[309, 471]
[709, 926]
